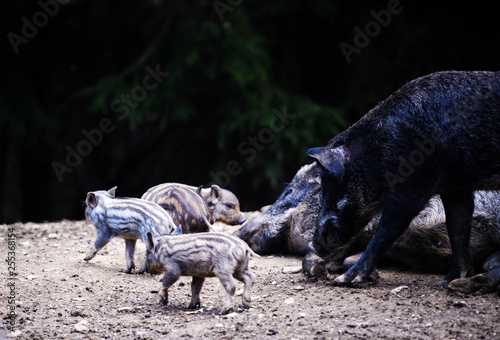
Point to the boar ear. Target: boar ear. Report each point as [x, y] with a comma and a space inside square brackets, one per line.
[151, 244]
[330, 159]
[91, 200]
[112, 191]
[198, 191]
[215, 192]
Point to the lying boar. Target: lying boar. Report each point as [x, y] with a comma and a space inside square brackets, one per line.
[288, 227]
[438, 134]
[184, 205]
[222, 204]
[201, 255]
[127, 218]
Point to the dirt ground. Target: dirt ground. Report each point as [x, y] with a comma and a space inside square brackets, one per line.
[60, 296]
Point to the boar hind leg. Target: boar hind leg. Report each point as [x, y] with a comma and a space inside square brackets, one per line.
[228, 283]
[99, 243]
[129, 254]
[247, 278]
[196, 286]
[458, 208]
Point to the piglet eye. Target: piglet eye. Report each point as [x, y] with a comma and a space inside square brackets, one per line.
[230, 205]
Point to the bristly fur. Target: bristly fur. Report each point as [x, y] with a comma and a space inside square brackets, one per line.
[127, 218]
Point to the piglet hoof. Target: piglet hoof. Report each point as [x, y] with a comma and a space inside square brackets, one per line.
[140, 271]
[127, 271]
[194, 305]
[89, 256]
[225, 311]
[164, 300]
[242, 308]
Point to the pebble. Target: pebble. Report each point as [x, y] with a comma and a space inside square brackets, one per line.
[298, 288]
[292, 270]
[398, 289]
[289, 301]
[53, 236]
[80, 327]
[125, 309]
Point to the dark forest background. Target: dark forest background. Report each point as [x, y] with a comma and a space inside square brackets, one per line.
[69, 68]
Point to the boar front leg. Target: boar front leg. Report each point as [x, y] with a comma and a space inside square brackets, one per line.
[195, 292]
[101, 240]
[458, 207]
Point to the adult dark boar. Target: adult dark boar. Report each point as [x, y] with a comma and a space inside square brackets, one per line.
[438, 134]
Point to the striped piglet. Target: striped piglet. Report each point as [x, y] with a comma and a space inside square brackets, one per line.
[201, 255]
[186, 207]
[127, 218]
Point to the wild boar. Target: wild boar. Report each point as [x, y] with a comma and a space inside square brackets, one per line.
[185, 206]
[222, 204]
[202, 255]
[127, 218]
[438, 134]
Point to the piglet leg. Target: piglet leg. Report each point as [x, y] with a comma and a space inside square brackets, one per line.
[129, 254]
[228, 283]
[195, 292]
[99, 243]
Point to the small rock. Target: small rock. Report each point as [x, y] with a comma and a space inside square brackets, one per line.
[80, 327]
[15, 334]
[292, 270]
[31, 277]
[125, 309]
[25, 243]
[398, 289]
[298, 288]
[459, 304]
[272, 331]
[53, 236]
[289, 301]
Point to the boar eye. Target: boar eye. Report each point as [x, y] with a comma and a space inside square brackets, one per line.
[230, 205]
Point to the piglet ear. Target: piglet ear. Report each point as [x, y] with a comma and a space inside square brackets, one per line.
[91, 200]
[198, 191]
[332, 160]
[215, 191]
[151, 244]
[112, 191]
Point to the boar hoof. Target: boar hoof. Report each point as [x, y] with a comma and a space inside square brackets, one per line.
[225, 311]
[342, 280]
[194, 305]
